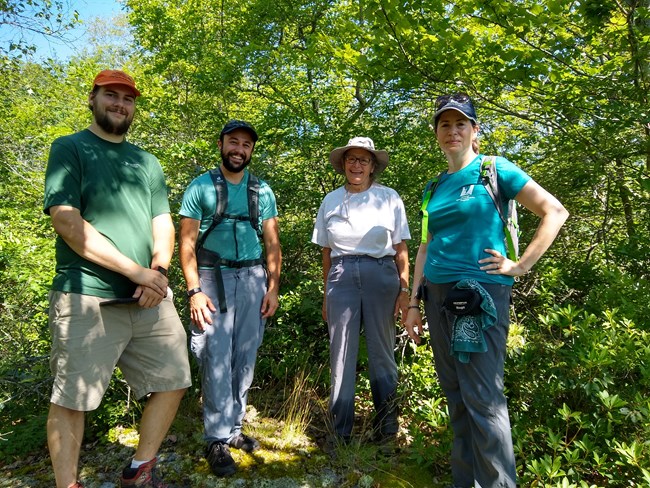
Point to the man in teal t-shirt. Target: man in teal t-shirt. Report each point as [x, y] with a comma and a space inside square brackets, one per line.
[231, 292]
[110, 304]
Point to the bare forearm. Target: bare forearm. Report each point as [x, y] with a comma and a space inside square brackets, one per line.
[418, 271]
[273, 253]
[327, 264]
[402, 263]
[90, 244]
[552, 216]
[188, 234]
[273, 266]
[163, 241]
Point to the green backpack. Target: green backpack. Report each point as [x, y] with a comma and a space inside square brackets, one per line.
[488, 174]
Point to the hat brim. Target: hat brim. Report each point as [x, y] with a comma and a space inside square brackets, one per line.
[445, 108]
[336, 158]
[113, 82]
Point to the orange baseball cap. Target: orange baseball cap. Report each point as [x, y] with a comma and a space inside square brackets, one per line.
[115, 77]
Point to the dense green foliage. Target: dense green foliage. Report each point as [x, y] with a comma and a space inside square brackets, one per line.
[562, 89]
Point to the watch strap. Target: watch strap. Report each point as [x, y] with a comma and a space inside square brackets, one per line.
[193, 291]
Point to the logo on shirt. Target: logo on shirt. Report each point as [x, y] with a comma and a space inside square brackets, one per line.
[131, 165]
[466, 193]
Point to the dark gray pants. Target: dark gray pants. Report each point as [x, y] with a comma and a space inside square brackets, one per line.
[482, 453]
[361, 289]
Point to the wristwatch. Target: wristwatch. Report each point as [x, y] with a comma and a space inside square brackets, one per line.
[193, 291]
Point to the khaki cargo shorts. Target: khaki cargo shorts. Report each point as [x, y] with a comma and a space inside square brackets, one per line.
[149, 345]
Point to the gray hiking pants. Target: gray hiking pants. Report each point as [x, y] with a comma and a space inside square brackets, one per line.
[226, 352]
[361, 289]
[482, 454]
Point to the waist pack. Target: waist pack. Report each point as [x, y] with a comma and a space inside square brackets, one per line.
[463, 301]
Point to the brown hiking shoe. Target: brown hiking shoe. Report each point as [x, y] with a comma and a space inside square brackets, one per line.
[145, 476]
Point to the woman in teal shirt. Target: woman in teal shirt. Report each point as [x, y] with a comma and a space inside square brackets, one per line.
[465, 241]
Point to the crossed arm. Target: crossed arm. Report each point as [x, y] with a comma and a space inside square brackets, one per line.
[90, 244]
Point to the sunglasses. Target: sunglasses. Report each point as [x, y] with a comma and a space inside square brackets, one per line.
[443, 100]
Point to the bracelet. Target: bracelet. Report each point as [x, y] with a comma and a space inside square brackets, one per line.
[161, 270]
[405, 290]
[193, 291]
[415, 306]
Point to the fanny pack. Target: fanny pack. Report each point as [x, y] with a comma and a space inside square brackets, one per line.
[463, 301]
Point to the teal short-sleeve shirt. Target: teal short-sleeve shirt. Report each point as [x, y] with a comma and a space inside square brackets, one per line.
[234, 240]
[463, 222]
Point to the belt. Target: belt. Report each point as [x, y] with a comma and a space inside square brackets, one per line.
[205, 257]
[359, 257]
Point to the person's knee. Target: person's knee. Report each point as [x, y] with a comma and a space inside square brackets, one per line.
[60, 412]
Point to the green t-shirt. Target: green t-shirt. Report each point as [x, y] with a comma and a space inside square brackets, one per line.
[118, 188]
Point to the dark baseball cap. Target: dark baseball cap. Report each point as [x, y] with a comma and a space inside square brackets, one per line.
[459, 102]
[233, 125]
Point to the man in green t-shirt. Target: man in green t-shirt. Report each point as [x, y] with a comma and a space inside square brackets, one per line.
[109, 303]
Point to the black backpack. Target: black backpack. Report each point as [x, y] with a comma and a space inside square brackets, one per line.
[205, 257]
[221, 188]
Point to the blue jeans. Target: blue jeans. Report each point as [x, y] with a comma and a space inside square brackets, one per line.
[482, 453]
[361, 289]
[227, 350]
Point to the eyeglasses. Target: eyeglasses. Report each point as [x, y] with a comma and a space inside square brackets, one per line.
[361, 161]
[443, 100]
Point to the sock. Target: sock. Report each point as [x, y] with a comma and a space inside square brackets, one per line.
[136, 464]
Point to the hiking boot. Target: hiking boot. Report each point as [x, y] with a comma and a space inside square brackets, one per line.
[244, 442]
[145, 476]
[220, 460]
[382, 438]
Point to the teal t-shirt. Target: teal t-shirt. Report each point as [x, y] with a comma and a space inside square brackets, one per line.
[118, 188]
[235, 240]
[463, 222]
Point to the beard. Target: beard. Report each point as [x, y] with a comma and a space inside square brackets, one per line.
[104, 121]
[234, 167]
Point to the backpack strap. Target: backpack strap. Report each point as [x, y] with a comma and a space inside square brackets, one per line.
[489, 179]
[221, 190]
[253, 191]
[432, 184]
[488, 174]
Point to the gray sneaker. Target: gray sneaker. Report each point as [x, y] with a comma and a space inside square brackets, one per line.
[220, 460]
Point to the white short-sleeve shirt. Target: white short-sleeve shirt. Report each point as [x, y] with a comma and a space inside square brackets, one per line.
[369, 222]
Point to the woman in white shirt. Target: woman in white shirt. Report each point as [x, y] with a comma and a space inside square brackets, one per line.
[361, 227]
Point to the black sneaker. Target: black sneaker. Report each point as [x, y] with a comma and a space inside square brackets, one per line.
[244, 442]
[220, 460]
